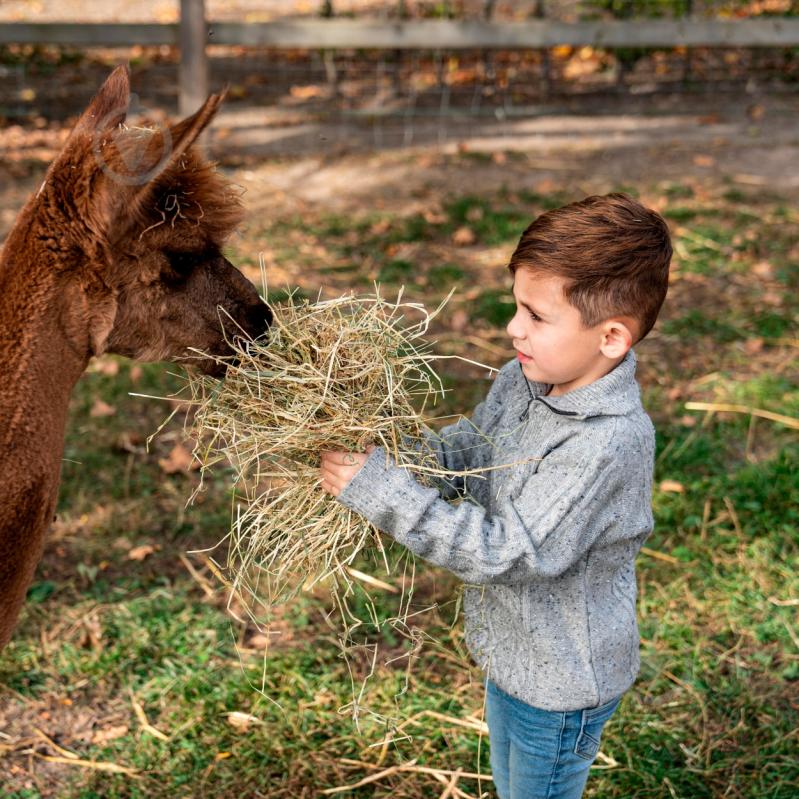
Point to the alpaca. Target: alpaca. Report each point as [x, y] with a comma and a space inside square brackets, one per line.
[119, 251]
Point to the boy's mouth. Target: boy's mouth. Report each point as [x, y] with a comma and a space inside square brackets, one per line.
[522, 357]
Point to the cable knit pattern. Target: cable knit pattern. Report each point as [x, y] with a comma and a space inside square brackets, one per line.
[547, 543]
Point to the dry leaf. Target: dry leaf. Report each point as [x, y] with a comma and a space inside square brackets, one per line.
[763, 269]
[672, 486]
[459, 320]
[130, 442]
[704, 160]
[179, 460]
[241, 721]
[101, 408]
[141, 552]
[307, 92]
[753, 345]
[435, 216]
[463, 237]
[106, 366]
[109, 734]
[91, 633]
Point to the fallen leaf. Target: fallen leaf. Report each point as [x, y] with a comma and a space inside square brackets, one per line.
[109, 734]
[672, 486]
[91, 633]
[179, 460]
[463, 237]
[753, 345]
[380, 227]
[141, 552]
[101, 408]
[241, 721]
[459, 320]
[763, 269]
[106, 366]
[704, 160]
[130, 442]
[307, 92]
[434, 216]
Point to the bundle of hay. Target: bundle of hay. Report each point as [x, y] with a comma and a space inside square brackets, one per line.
[337, 374]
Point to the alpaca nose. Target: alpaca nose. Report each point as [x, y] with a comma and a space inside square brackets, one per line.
[260, 317]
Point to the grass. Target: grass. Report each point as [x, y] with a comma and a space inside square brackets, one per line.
[713, 712]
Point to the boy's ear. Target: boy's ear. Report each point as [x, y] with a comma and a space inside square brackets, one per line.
[617, 337]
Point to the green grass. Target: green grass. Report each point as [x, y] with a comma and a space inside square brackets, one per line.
[713, 712]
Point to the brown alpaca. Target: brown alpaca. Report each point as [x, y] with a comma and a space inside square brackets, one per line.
[119, 251]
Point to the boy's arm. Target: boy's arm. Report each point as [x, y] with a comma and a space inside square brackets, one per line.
[560, 512]
[465, 445]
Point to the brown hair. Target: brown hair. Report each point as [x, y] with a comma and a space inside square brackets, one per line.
[613, 253]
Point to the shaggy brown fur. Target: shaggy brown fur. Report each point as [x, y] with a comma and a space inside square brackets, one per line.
[119, 251]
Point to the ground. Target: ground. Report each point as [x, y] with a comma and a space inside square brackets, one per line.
[129, 658]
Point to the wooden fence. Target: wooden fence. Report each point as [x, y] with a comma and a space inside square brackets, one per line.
[193, 33]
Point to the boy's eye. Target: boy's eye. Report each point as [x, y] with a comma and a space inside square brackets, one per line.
[535, 317]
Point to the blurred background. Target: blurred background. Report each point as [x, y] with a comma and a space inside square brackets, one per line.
[410, 143]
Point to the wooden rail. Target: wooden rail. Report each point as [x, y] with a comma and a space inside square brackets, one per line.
[426, 35]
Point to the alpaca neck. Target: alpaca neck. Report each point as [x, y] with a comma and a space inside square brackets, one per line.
[42, 358]
[41, 364]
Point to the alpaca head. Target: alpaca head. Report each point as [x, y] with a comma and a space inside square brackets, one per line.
[136, 220]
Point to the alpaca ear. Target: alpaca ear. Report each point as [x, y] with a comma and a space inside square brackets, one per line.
[109, 107]
[140, 162]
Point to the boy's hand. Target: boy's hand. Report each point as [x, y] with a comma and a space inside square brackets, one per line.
[338, 468]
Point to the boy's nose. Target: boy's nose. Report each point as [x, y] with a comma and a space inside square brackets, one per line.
[513, 328]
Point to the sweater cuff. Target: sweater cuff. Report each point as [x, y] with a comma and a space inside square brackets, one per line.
[378, 480]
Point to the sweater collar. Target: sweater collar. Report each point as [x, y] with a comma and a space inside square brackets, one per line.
[614, 394]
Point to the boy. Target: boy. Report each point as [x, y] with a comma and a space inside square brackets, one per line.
[546, 545]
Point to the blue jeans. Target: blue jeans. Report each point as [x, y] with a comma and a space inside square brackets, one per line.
[541, 754]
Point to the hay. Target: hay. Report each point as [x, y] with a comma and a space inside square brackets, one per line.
[336, 374]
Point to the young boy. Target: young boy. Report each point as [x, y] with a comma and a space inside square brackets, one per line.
[546, 545]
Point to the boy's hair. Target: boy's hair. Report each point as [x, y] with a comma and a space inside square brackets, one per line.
[613, 253]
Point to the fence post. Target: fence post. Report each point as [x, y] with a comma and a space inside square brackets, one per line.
[193, 59]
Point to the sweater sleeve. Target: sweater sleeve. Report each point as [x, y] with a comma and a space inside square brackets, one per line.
[466, 445]
[561, 510]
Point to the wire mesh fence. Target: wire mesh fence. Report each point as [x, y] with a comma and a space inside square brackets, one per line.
[296, 101]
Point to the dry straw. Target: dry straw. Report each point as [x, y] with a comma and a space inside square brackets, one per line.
[335, 374]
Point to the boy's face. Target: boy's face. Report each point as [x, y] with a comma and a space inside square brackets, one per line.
[550, 341]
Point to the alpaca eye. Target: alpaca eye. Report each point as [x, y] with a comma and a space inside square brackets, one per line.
[182, 262]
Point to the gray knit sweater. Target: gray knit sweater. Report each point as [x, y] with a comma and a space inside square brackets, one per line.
[547, 545]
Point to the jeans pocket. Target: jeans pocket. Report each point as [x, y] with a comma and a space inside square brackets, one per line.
[587, 746]
[594, 720]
